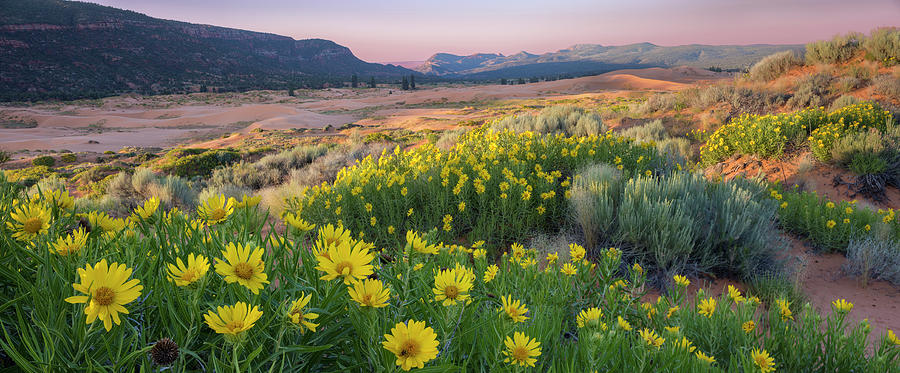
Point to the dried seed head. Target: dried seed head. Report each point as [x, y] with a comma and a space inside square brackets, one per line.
[164, 352]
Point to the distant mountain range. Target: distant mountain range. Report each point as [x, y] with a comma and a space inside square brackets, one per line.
[593, 58]
[67, 49]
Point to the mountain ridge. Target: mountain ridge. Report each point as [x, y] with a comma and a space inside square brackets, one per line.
[68, 49]
[586, 58]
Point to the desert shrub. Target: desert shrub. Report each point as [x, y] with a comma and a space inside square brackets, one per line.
[493, 186]
[712, 95]
[196, 162]
[843, 101]
[749, 100]
[120, 186]
[888, 85]
[448, 138]
[680, 222]
[68, 158]
[811, 91]
[467, 329]
[844, 121]
[44, 160]
[677, 148]
[883, 45]
[28, 176]
[228, 190]
[656, 103]
[685, 222]
[647, 132]
[865, 163]
[591, 205]
[773, 286]
[873, 257]
[133, 189]
[839, 49]
[326, 168]
[173, 191]
[828, 224]
[4, 156]
[564, 119]
[768, 135]
[378, 137]
[269, 170]
[653, 132]
[774, 65]
[845, 148]
[292, 159]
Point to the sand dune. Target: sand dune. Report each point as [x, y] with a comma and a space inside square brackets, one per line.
[122, 121]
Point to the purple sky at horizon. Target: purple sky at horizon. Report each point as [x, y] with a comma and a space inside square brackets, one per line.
[407, 30]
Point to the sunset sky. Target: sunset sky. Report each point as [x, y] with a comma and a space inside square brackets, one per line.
[403, 30]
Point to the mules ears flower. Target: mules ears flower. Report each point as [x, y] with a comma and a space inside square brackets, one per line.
[515, 309]
[349, 260]
[29, 221]
[233, 321]
[763, 361]
[521, 350]
[412, 343]
[452, 285]
[215, 209]
[184, 275]
[107, 290]
[370, 293]
[297, 315]
[243, 265]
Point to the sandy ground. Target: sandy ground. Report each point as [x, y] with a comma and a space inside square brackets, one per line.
[122, 121]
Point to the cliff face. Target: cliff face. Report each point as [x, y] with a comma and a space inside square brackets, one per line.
[64, 49]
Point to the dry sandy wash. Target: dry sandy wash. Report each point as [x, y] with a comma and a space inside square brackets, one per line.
[133, 121]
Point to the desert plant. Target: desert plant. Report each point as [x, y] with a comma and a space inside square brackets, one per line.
[866, 163]
[680, 222]
[44, 160]
[591, 201]
[831, 225]
[888, 85]
[843, 101]
[4, 156]
[774, 66]
[647, 132]
[883, 45]
[811, 91]
[875, 258]
[839, 49]
[68, 158]
[565, 119]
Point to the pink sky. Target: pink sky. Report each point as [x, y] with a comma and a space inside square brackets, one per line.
[402, 30]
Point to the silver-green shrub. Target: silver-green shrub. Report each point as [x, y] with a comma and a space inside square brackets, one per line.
[874, 257]
[563, 119]
[774, 66]
[681, 222]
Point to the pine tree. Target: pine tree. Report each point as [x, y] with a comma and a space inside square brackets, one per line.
[354, 80]
[404, 84]
[503, 81]
[372, 82]
[521, 81]
[412, 82]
